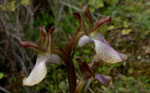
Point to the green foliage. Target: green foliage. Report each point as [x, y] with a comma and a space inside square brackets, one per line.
[1, 75]
[96, 4]
[44, 19]
[130, 18]
[130, 84]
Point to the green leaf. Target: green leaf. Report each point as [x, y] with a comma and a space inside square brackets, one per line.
[1, 75]
[87, 51]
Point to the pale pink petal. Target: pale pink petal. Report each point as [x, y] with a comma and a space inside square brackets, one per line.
[84, 40]
[104, 80]
[105, 51]
[55, 59]
[39, 71]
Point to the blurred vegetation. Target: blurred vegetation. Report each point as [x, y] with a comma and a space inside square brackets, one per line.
[129, 32]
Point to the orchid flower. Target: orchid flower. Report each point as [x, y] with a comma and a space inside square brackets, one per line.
[84, 83]
[89, 76]
[102, 48]
[45, 55]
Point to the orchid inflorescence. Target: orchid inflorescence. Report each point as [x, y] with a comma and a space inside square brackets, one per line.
[46, 53]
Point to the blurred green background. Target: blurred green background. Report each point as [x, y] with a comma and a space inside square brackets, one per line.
[129, 33]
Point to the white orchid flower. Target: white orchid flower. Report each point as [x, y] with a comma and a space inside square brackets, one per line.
[39, 71]
[102, 48]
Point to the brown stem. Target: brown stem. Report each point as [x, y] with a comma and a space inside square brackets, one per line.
[71, 74]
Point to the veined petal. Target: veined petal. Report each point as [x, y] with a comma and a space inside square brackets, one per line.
[105, 51]
[53, 58]
[38, 72]
[104, 80]
[84, 40]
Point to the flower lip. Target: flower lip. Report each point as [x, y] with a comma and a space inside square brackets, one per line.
[106, 43]
[107, 53]
[102, 48]
[39, 71]
[119, 54]
[104, 80]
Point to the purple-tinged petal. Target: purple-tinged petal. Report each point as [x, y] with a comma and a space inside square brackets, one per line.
[104, 80]
[39, 71]
[105, 51]
[84, 40]
[53, 58]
